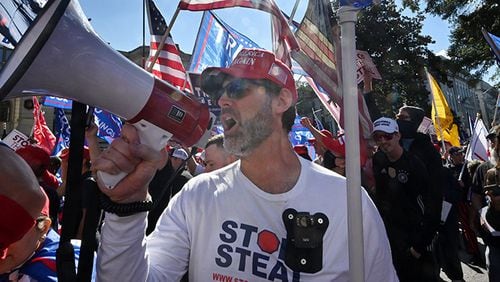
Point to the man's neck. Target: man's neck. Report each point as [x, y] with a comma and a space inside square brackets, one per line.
[395, 154]
[272, 166]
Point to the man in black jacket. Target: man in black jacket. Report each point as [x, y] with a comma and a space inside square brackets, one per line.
[408, 204]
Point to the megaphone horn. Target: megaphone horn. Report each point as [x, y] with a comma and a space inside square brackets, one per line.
[61, 55]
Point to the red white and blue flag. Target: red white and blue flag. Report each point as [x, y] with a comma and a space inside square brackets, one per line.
[168, 66]
[318, 60]
[283, 33]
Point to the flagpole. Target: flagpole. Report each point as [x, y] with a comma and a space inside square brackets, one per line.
[496, 110]
[347, 20]
[163, 38]
[144, 33]
[443, 148]
[294, 10]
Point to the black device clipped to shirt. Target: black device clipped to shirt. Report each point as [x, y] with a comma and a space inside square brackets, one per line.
[304, 240]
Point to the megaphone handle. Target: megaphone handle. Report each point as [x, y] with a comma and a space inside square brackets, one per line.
[149, 134]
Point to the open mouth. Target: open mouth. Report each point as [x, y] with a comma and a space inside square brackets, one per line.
[228, 123]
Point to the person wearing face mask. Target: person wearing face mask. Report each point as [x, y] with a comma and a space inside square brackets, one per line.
[420, 145]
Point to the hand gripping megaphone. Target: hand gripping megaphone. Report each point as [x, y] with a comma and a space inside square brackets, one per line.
[61, 55]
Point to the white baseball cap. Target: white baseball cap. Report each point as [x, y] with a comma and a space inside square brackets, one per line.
[385, 124]
[180, 154]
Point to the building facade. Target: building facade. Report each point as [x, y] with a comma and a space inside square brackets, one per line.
[468, 101]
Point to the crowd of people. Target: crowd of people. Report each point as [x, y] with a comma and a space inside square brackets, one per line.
[250, 206]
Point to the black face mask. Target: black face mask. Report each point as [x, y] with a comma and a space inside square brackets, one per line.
[407, 129]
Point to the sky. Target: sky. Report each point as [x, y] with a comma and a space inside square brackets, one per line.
[120, 23]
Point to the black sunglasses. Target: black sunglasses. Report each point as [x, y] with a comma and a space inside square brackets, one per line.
[237, 88]
[377, 137]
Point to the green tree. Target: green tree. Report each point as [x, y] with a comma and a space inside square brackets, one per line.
[468, 49]
[400, 52]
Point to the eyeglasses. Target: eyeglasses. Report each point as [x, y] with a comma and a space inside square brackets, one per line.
[377, 137]
[237, 88]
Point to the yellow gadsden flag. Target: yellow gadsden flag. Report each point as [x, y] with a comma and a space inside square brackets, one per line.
[442, 116]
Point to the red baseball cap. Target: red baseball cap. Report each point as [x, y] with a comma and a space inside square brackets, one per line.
[65, 153]
[34, 152]
[15, 221]
[250, 64]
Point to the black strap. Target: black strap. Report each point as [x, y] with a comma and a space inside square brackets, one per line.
[90, 239]
[163, 194]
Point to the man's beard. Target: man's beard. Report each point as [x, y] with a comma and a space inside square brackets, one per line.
[251, 133]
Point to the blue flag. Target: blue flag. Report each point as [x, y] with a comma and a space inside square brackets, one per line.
[358, 3]
[494, 42]
[217, 44]
[299, 135]
[108, 124]
[62, 131]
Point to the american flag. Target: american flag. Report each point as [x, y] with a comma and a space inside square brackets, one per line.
[318, 59]
[283, 37]
[168, 66]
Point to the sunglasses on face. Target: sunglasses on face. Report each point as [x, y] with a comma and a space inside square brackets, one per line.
[377, 137]
[238, 88]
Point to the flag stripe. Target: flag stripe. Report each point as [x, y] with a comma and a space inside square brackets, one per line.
[309, 35]
[169, 65]
[317, 58]
[167, 59]
[169, 71]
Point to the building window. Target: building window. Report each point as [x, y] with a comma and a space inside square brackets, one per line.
[5, 108]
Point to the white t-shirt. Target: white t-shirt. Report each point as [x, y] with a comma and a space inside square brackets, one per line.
[227, 229]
